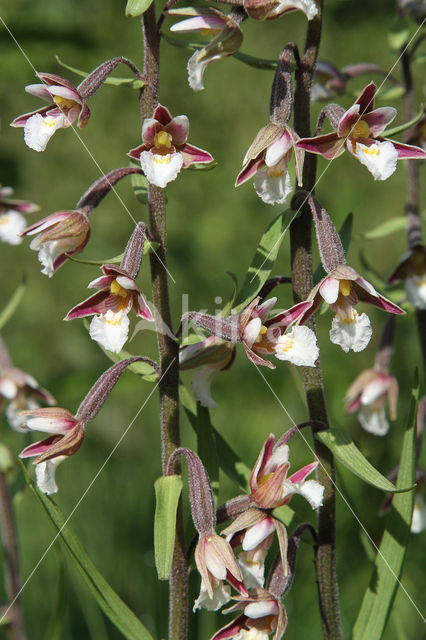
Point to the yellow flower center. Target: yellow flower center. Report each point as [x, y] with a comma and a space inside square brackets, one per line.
[360, 130]
[4, 219]
[117, 290]
[162, 142]
[64, 103]
[344, 287]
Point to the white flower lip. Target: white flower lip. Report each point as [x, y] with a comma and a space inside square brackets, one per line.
[110, 330]
[160, 169]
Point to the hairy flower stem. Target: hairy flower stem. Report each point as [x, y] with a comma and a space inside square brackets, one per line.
[167, 347]
[14, 628]
[414, 226]
[301, 257]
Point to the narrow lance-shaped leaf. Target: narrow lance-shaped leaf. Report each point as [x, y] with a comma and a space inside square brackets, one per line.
[167, 493]
[264, 258]
[386, 228]
[344, 449]
[135, 8]
[10, 308]
[110, 603]
[378, 599]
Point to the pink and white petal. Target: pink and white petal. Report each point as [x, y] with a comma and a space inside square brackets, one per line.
[160, 170]
[201, 381]
[221, 596]
[110, 330]
[298, 346]
[64, 92]
[376, 299]
[8, 388]
[136, 152]
[379, 158]
[191, 154]
[37, 448]
[253, 571]
[286, 318]
[407, 151]
[379, 119]
[12, 224]
[92, 305]
[261, 609]
[374, 390]
[197, 23]
[257, 533]
[273, 184]
[355, 334]
[415, 290]
[45, 223]
[103, 282]
[45, 474]
[262, 458]
[39, 130]
[40, 91]
[373, 421]
[303, 473]
[59, 426]
[141, 307]
[280, 455]
[418, 522]
[366, 99]
[348, 121]
[253, 357]
[311, 490]
[329, 146]
[178, 129]
[329, 290]
[127, 283]
[150, 127]
[162, 114]
[252, 331]
[249, 170]
[277, 150]
[263, 309]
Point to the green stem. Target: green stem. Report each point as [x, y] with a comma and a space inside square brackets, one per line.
[167, 347]
[301, 256]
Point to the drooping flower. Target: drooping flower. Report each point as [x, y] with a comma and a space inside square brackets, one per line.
[226, 33]
[66, 105]
[117, 294]
[359, 129]
[267, 160]
[23, 392]
[164, 150]
[412, 269]
[60, 235]
[12, 222]
[68, 434]
[367, 396]
[263, 615]
[207, 357]
[272, 9]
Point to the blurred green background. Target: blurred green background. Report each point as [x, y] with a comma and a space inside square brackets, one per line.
[212, 228]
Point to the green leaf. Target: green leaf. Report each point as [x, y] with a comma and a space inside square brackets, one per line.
[110, 603]
[264, 258]
[206, 447]
[203, 166]
[379, 596]
[140, 187]
[393, 93]
[369, 272]
[344, 449]
[135, 8]
[229, 461]
[167, 494]
[133, 83]
[252, 61]
[419, 58]
[403, 127]
[228, 306]
[148, 247]
[399, 33]
[386, 228]
[10, 308]
[56, 620]
[142, 369]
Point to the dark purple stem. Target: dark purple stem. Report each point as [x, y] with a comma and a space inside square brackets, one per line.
[301, 255]
[167, 347]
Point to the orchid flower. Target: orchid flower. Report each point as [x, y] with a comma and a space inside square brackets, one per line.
[226, 38]
[360, 129]
[368, 394]
[66, 106]
[12, 222]
[208, 357]
[263, 614]
[164, 150]
[412, 269]
[60, 235]
[23, 392]
[267, 160]
[117, 294]
[68, 434]
[272, 9]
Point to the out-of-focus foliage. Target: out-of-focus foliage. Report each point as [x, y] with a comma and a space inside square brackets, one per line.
[212, 228]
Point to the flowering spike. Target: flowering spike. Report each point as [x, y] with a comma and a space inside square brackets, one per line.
[102, 388]
[101, 187]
